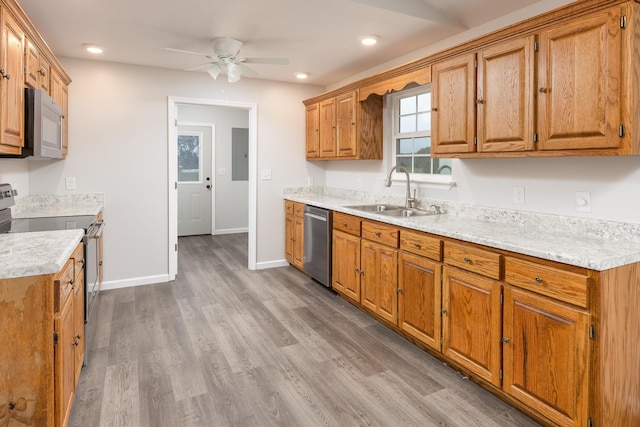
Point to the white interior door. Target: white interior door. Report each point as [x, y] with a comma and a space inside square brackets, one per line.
[195, 179]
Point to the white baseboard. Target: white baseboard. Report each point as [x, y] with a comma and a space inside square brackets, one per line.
[271, 264]
[230, 231]
[136, 281]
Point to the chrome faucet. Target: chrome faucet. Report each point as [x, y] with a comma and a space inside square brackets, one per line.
[410, 200]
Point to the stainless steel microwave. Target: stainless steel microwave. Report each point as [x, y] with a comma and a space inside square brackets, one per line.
[42, 126]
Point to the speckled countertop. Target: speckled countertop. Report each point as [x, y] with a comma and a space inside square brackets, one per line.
[593, 244]
[44, 252]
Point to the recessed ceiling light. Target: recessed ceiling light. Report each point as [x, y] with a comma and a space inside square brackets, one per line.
[369, 40]
[92, 48]
[302, 76]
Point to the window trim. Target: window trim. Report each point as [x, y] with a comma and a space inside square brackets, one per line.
[421, 180]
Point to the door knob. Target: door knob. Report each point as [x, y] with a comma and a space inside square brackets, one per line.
[208, 186]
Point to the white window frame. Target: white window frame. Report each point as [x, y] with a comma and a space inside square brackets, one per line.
[422, 180]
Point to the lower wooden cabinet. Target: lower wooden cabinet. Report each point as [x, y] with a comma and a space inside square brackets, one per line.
[546, 356]
[472, 323]
[380, 280]
[419, 299]
[294, 233]
[346, 265]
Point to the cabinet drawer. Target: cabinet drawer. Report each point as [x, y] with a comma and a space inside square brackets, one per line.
[288, 206]
[549, 281]
[298, 209]
[347, 223]
[473, 259]
[381, 233]
[421, 244]
[63, 285]
[78, 260]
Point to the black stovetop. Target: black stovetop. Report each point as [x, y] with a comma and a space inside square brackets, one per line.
[24, 225]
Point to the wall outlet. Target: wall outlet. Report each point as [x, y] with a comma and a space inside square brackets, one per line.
[518, 195]
[309, 180]
[583, 201]
[70, 183]
[266, 174]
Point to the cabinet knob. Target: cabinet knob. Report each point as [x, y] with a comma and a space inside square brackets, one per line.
[357, 270]
[4, 74]
[538, 279]
[378, 234]
[467, 260]
[417, 245]
[399, 290]
[505, 340]
[479, 101]
[434, 109]
[443, 311]
[78, 336]
[75, 343]
[543, 90]
[344, 224]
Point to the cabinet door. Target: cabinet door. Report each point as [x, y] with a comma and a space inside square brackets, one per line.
[346, 265]
[505, 96]
[328, 146]
[64, 362]
[346, 134]
[380, 280]
[419, 299]
[78, 325]
[546, 356]
[45, 79]
[65, 120]
[580, 83]
[453, 116]
[472, 323]
[11, 87]
[298, 241]
[313, 131]
[31, 64]
[288, 237]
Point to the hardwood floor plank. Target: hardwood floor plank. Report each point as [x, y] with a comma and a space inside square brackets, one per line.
[224, 346]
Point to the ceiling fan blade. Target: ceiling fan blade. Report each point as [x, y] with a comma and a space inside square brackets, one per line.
[415, 8]
[189, 52]
[203, 66]
[246, 71]
[276, 61]
[226, 46]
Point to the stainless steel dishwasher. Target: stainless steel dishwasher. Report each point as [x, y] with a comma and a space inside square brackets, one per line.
[317, 244]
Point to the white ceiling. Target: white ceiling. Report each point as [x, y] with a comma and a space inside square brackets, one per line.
[320, 37]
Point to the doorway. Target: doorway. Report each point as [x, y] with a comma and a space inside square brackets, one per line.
[196, 148]
[173, 126]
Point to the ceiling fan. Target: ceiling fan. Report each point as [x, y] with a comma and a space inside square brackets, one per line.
[225, 57]
[415, 8]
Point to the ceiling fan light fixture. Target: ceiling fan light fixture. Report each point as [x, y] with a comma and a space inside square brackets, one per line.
[233, 72]
[369, 40]
[214, 71]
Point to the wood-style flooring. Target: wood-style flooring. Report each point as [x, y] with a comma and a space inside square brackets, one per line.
[225, 346]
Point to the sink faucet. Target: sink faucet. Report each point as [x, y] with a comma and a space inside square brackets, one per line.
[410, 200]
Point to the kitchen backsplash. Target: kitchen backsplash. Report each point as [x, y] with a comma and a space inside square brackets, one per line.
[28, 203]
[592, 227]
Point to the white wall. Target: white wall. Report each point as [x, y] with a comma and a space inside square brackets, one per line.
[16, 173]
[118, 146]
[231, 197]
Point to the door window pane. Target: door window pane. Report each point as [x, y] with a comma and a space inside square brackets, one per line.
[189, 161]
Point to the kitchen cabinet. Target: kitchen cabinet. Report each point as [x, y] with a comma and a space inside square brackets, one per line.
[344, 127]
[581, 83]
[294, 233]
[379, 270]
[546, 356]
[11, 86]
[453, 115]
[43, 319]
[346, 256]
[60, 94]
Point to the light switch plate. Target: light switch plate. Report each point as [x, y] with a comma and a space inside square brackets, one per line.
[518, 195]
[583, 201]
[70, 183]
[266, 174]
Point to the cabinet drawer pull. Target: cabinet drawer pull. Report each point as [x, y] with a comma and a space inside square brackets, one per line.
[467, 260]
[417, 245]
[538, 279]
[505, 340]
[378, 234]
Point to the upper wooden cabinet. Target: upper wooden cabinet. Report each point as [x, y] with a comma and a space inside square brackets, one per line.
[25, 61]
[11, 86]
[342, 127]
[581, 84]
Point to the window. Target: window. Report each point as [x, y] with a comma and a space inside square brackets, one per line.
[411, 134]
[189, 159]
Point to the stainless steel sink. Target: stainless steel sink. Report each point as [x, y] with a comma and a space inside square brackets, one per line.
[375, 208]
[407, 212]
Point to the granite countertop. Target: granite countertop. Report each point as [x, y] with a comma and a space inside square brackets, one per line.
[44, 252]
[541, 239]
[36, 253]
